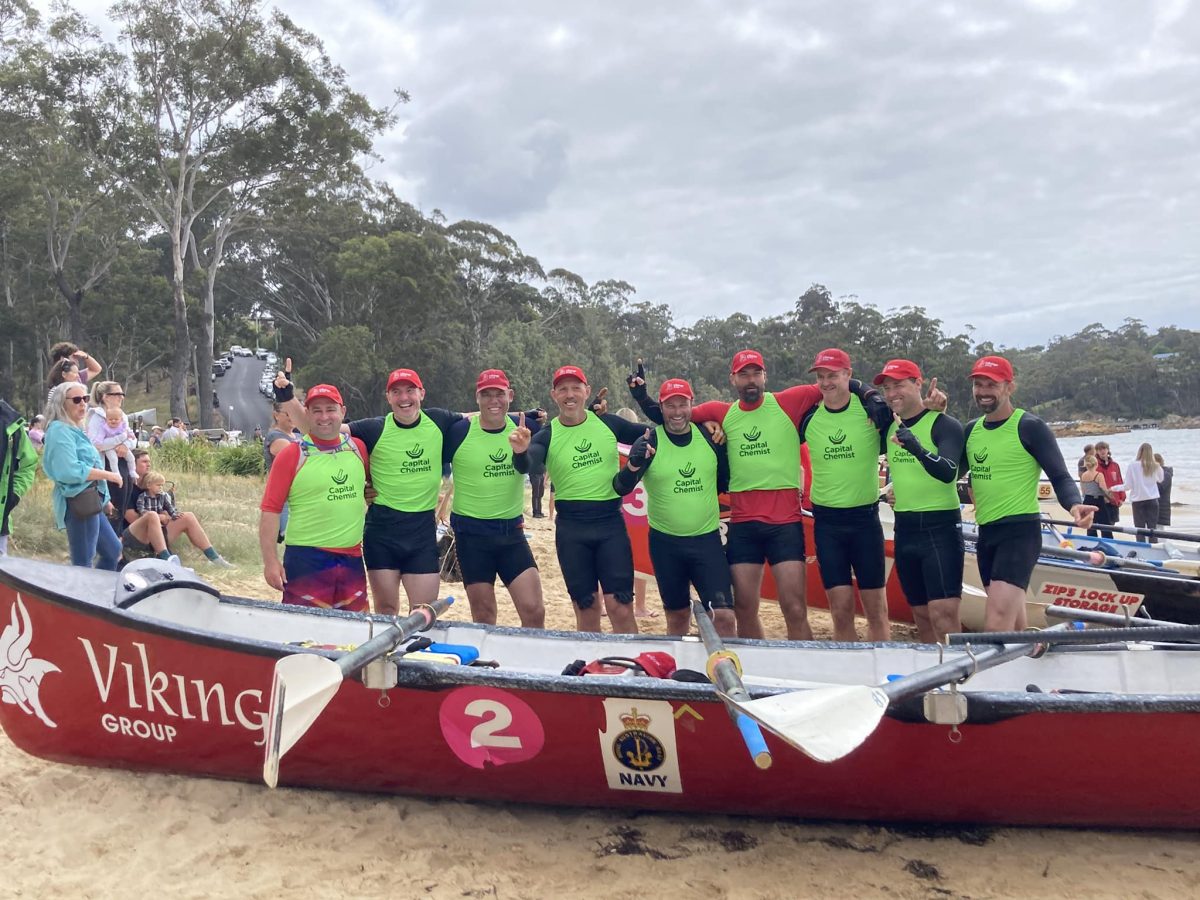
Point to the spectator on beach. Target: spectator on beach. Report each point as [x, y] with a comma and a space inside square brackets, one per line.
[107, 400]
[1164, 492]
[1111, 470]
[89, 367]
[156, 436]
[1096, 493]
[1142, 481]
[37, 431]
[74, 465]
[63, 371]
[151, 526]
[18, 462]
[174, 431]
[115, 432]
[1088, 450]
[279, 436]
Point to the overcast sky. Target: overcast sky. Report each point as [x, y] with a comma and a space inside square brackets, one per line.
[1025, 167]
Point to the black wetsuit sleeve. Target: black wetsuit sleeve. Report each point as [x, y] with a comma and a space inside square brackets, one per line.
[627, 432]
[454, 439]
[803, 427]
[369, 431]
[722, 462]
[877, 409]
[533, 460]
[443, 418]
[649, 406]
[943, 459]
[626, 479]
[1038, 440]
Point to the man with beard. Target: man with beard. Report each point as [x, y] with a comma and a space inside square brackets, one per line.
[683, 471]
[486, 510]
[1007, 450]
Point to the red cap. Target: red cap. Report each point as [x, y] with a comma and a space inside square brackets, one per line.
[399, 375]
[675, 387]
[996, 368]
[323, 392]
[744, 358]
[832, 358]
[491, 378]
[569, 372]
[898, 369]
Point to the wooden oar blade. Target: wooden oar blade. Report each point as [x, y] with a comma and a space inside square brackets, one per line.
[303, 685]
[825, 724]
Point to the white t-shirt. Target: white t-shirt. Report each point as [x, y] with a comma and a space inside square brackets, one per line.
[1139, 485]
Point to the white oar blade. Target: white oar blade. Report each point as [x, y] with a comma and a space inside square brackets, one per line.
[825, 724]
[303, 685]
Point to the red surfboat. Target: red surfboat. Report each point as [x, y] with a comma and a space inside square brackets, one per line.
[152, 670]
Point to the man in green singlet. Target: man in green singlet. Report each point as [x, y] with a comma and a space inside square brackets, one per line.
[486, 510]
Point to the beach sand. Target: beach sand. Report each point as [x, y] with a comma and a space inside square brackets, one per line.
[74, 832]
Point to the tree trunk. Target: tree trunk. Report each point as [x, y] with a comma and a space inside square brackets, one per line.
[204, 360]
[182, 353]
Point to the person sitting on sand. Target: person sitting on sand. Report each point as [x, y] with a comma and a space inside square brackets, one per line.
[151, 531]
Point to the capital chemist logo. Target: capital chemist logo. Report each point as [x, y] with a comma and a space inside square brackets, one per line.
[688, 471]
[838, 437]
[498, 457]
[584, 447]
[980, 458]
[416, 452]
[340, 478]
[752, 435]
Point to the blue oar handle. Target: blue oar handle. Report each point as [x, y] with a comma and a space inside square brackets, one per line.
[753, 736]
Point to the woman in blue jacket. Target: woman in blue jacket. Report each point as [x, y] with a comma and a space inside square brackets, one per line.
[74, 465]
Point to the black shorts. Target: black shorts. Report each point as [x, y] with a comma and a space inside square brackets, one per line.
[683, 561]
[849, 540]
[1008, 551]
[929, 555]
[595, 552]
[403, 541]
[754, 542]
[484, 556]
[133, 548]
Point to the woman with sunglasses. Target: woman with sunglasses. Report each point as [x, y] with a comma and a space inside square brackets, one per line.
[108, 396]
[73, 464]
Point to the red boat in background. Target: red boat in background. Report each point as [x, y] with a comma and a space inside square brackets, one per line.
[153, 670]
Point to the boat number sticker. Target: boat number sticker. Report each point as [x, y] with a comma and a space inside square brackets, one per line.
[1079, 597]
[488, 725]
[638, 746]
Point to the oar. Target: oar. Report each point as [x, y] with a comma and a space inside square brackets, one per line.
[828, 723]
[304, 683]
[1102, 618]
[725, 670]
[1166, 632]
[1124, 529]
[1100, 559]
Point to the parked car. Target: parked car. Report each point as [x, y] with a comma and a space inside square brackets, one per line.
[261, 352]
[218, 369]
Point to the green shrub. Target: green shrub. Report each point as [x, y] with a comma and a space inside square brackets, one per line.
[185, 456]
[246, 460]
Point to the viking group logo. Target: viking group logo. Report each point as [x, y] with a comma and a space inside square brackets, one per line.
[688, 471]
[752, 435]
[980, 457]
[416, 452]
[20, 674]
[584, 447]
[498, 457]
[635, 747]
[340, 478]
[838, 437]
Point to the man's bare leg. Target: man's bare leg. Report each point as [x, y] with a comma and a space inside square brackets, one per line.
[791, 580]
[482, 597]
[620, 615]
[385, 590]
[841, 608]
[925, 627]
[421, 589]
[944, 616]
[874, 601]
[1005, 607]
[148, 529]
[526, 593]
[747, 585]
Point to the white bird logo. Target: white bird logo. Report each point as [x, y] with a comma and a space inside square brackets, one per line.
[20, 674]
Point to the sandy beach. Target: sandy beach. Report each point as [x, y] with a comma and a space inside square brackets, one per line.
[73, 832]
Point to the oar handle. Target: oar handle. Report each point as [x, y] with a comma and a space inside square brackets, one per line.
[418, 620]
[1090, 636]
[1099, 558]
[753, 737]
[1123, 529]
[1101, 618]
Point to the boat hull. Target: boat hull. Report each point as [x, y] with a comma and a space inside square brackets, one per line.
[105, 687]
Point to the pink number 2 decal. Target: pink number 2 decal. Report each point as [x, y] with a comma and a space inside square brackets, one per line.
[487, 725]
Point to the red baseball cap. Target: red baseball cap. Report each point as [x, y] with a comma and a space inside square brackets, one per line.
[323, 392]
[832, 358]
[898, 369]
[491, 378]
[569, 372]
[996, 368]
[399, 375]
[675, 387]
[744, 358]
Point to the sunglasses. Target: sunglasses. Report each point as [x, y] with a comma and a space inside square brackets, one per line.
[77, 400]
[115, 394]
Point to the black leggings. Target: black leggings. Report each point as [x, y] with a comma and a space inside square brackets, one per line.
[1103, 516]
[538, 485]
[1145, 515]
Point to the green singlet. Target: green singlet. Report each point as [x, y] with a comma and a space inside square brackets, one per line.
[486, 486]
[1004, 476]
[916, 490]
[406, 465]
[326, 502]
[681, 487]
[764, 447]
[582, 459]
[843, 450]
